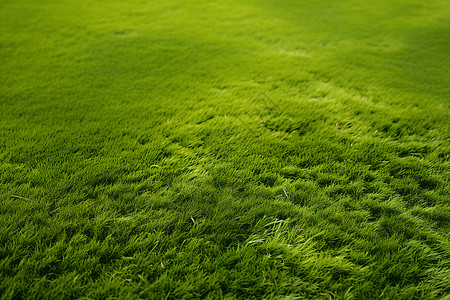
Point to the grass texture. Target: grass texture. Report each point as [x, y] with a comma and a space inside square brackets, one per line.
[224, 149]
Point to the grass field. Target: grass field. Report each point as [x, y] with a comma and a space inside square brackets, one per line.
[254, 149]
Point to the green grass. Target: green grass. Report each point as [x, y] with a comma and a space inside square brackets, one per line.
[224, 149]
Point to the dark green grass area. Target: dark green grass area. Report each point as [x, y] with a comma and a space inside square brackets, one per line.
[224, 149]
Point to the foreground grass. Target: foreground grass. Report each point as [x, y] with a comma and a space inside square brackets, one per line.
[220, 149]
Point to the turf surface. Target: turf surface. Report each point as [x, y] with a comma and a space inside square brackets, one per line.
[224, 149]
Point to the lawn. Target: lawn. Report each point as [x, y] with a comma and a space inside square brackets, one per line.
[255, 149]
